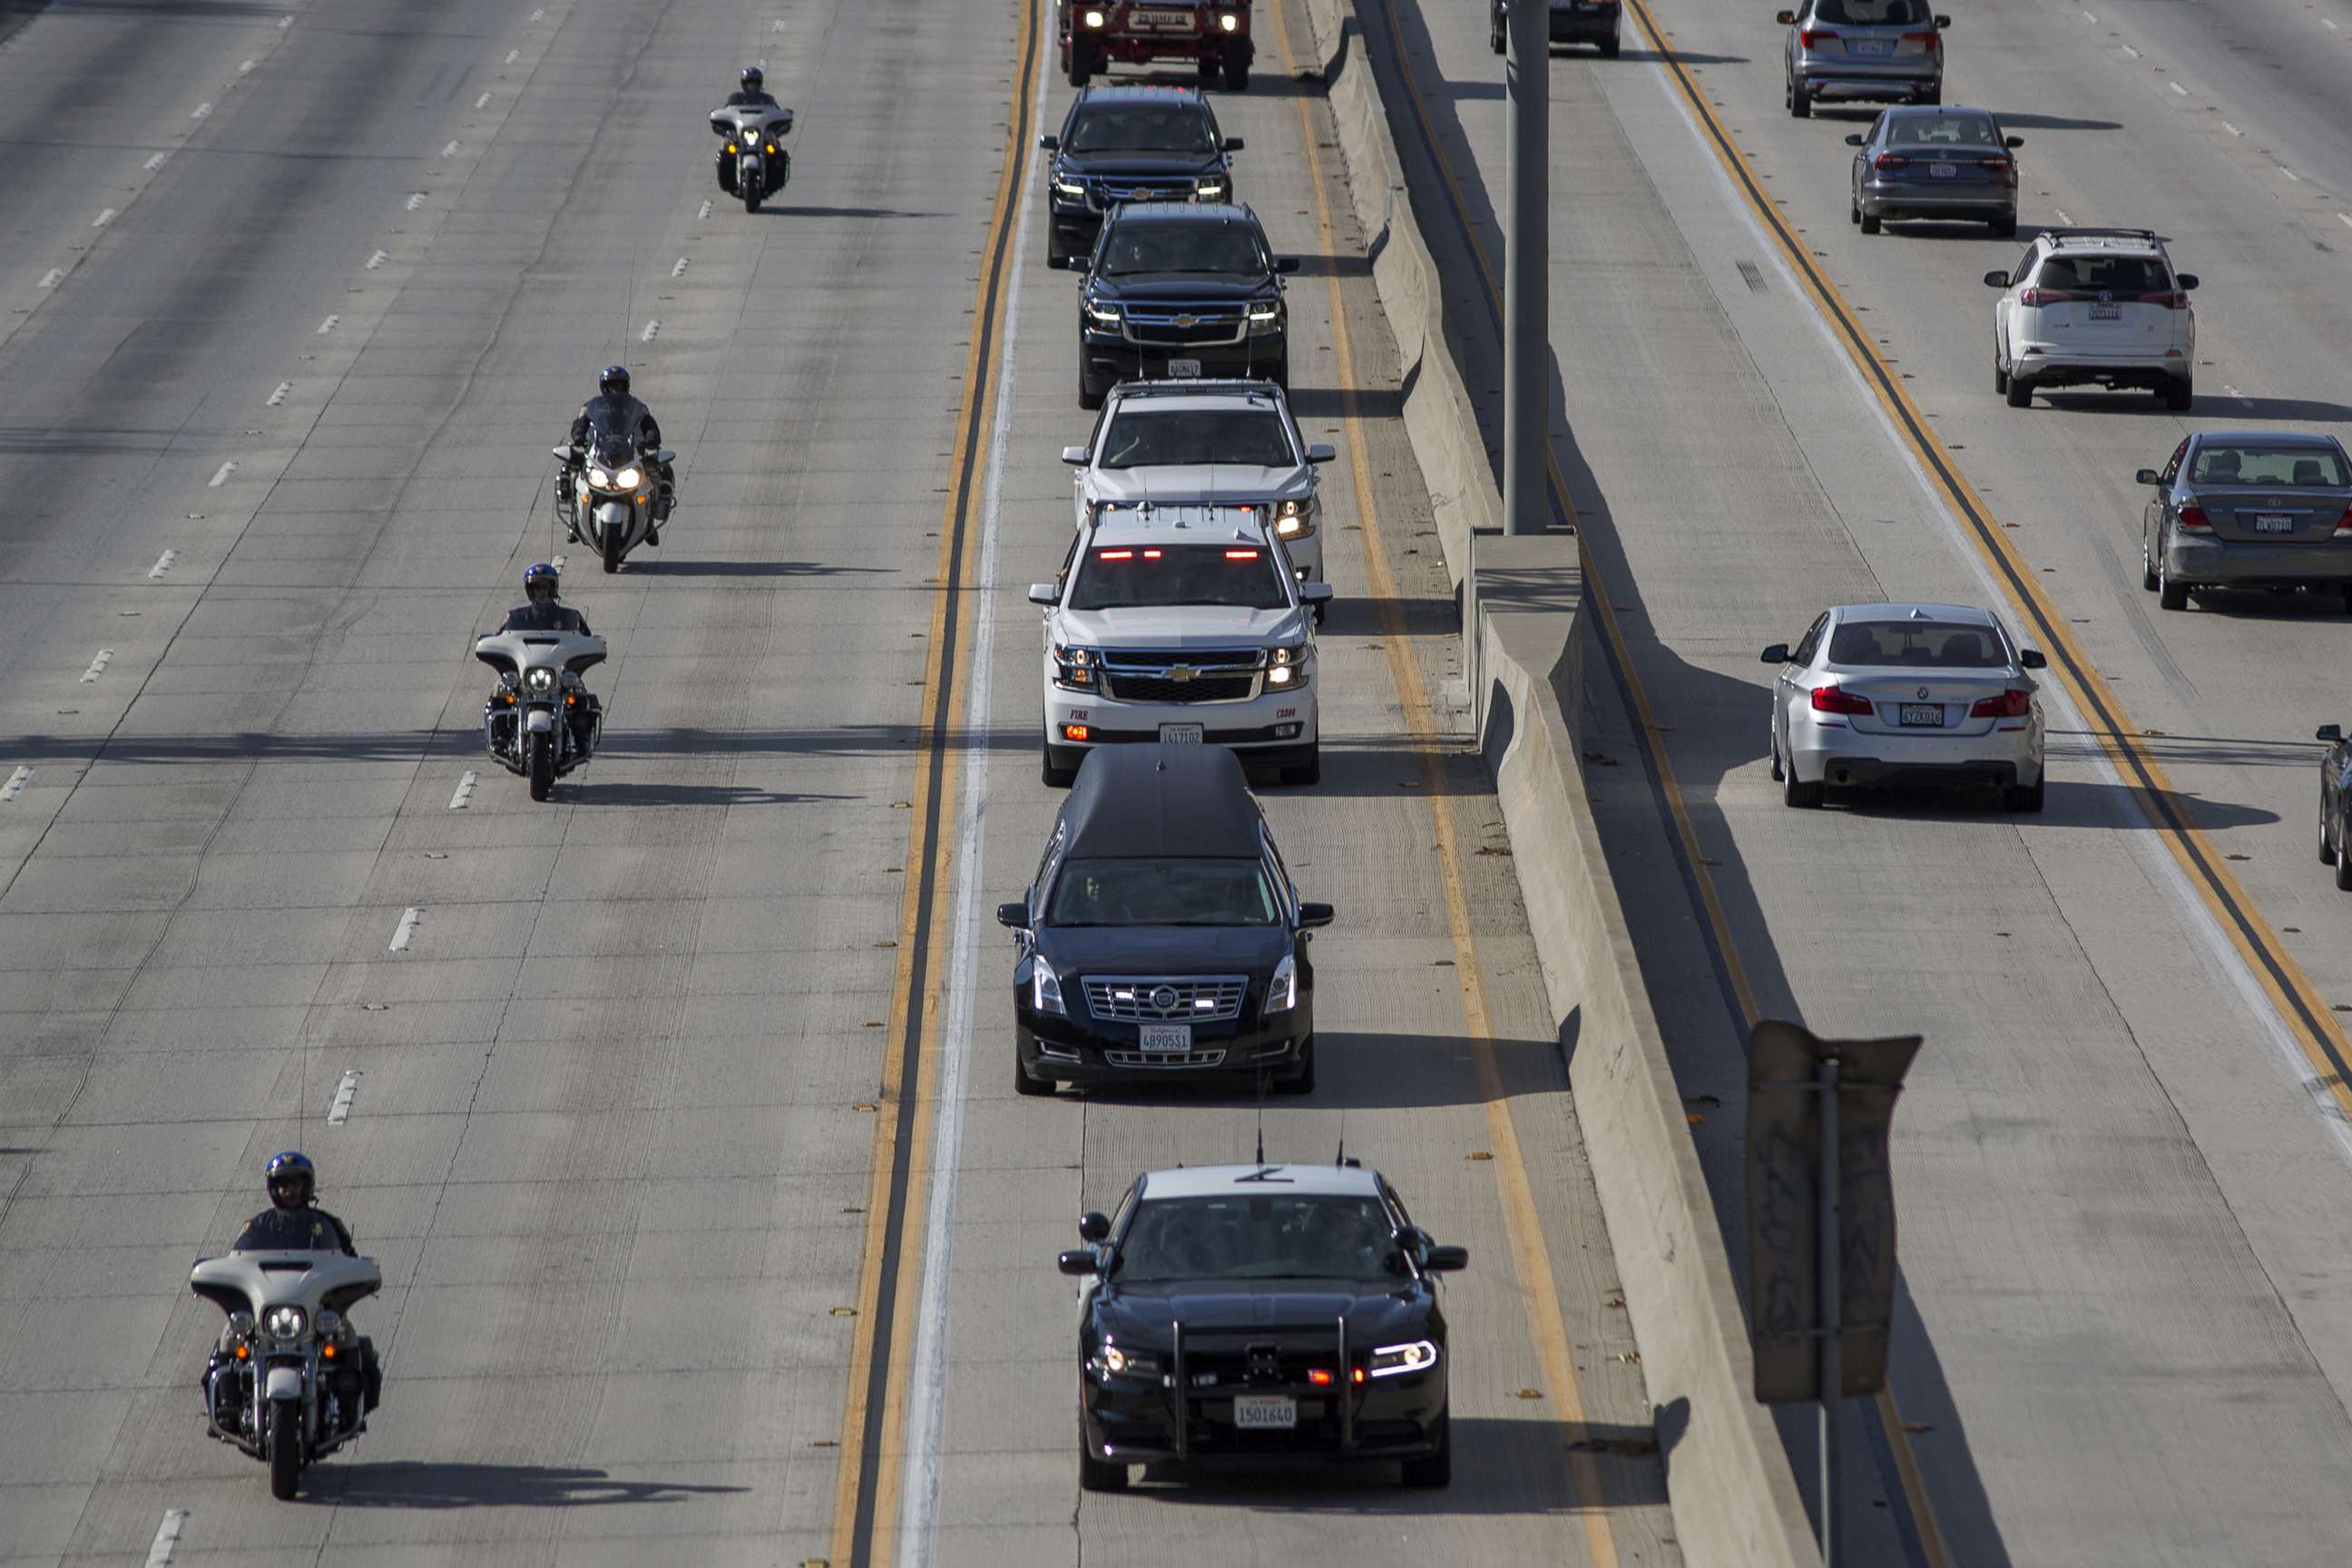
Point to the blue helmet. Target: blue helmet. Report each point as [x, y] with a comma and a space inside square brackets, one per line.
[292, 1179]
[754, 79]
[614, 380]
[534, 577]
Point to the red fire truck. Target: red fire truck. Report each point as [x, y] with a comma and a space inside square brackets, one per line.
[1214, 35]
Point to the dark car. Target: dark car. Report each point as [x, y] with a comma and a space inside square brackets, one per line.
[2250, 509]
[1929, 162]
[1593, 22]
[1161, 935]
[1183, 291]
[1130, 144]
[1213, 34]
[2335, 802]
[1261, 1312]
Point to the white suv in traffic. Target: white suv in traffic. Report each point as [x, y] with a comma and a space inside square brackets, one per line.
[1205, 443]
[1181, 624]
[2095, 306]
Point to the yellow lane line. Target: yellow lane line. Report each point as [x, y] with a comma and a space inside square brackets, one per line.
[865, 1483]
[1539, 1298]
[2297, 1001]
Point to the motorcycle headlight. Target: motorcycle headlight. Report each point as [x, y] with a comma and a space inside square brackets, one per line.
[1074, 668]
[1387, 1361]
[541, 679]
[286, 1322]
[628, 479]
[1103, 315]
[599, 477]
[1045, 988]
[1282, 992]
[1130, 1363]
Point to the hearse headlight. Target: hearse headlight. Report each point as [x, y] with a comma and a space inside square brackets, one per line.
[1045, 988]
[1282, 990]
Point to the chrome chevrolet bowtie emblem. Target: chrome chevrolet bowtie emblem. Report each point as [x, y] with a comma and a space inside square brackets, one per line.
[1163, 998]
[1188, 320]
[1181, 673]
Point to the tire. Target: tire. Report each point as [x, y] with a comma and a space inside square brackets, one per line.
[1436, 1470]
[1496, 38]
[1082, 64]
[1099, 1475]
[2172, 596]
[539, 764]
[285, 1448]
[1795, 792]
[2147, 578]
[1801, 103]
[1237, 75]
[1090, 396]
[2004, 228]
[1025, 1085]
[1778, 776]
[615, 542]
[1310, 772]
[1052, 773]
[2000, 376]
[1207, 74]
[2027, 798]
[2181, 396]
[1871, 223]
[2021, 392]
[1303, 1080]
[1610, 46]
[2327, 848]
[1852, 209]
[2343, 873]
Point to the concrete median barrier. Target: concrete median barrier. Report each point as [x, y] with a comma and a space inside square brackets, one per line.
[1734, 1498]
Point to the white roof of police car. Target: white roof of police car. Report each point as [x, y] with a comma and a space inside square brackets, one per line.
[1119, 526]
[1216, 1181]
[1904, 609]
[1185, 394]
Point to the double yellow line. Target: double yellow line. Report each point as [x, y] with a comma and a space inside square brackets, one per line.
[865, 1484]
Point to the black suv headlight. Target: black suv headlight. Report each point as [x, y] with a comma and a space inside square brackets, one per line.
[1212, 187]
[1101, 317]
[1387, 1361]
[1120, 1361]
[1266, 317]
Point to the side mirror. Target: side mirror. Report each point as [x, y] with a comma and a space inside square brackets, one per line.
[1321, 451]
[2031, 658]
[1996, 279]
[1855, 139]
[1446, 1260]
[1094, 1226]
[2013, 141]
[665, 456]
[1049, 143]
[1786, 18]
[1315, 593]
[1777, 653]
[1942, 23]
[1286, 263]
[1075, 455]
[2147, 476]
[561, 451]
[1233, 144]
[1080, 1260]
[2187, 280]
[1046, 593]
[2331, 734]
[1314, 917]
[1015, 915]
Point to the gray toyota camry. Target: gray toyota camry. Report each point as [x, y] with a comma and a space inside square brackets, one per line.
[2248, 509]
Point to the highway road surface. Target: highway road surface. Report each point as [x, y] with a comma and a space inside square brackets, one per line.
[676, 1108]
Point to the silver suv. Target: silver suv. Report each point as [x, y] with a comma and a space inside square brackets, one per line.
[1886, 51]
[1205, 443]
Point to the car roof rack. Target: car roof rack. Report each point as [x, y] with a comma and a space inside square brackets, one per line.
[2080, 231]
[1196, 386]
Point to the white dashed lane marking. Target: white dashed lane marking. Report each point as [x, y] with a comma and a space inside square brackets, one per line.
[220, 476]
[652, 328]
[513, 55]
[415, 200]
[705, 212]
[329, 325]
[278, 396]
[16, 784]
[164, 562]
[406, 928]
[167, 1536]
[483, 101]
[459, 800]
[450, 151]
[2177, 88]
[53, 276]
[345, 1092]
[98, 666]
[202, 111]
[678, 270]
[102, 219]
[155, 162]
[378, 260]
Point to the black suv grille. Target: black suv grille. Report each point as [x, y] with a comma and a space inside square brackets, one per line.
[1181, 326]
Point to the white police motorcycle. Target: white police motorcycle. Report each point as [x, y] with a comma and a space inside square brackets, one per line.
[755, 134]
[541, 721]
[287, 1380]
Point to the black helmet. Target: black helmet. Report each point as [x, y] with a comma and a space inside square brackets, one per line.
[290, 1179]
[534, 578]
[614, 380]
[753, 78]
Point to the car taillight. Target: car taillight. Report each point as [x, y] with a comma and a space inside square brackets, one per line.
[1837, 700]
[2000, 164]
[2172, 302]
[1889, 161]
[2034, 297]
[1930, 41]
[2344, 523]
[2194, 521]
[1814, 38]
[2010, 704]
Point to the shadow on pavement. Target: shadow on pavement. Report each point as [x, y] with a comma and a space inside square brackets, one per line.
[411, 1484]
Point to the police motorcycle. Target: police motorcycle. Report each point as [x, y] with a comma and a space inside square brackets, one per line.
[757, 167]
[286, 1384]
[610, 501]
[541, 721]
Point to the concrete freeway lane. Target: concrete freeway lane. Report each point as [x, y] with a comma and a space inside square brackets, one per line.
[631, 1066]
[2121, 1162]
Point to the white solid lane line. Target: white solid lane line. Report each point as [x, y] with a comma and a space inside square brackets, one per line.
[340, 1112]
[164, 562]
[167, 1536]
[16, 784]
[406, 928]
[98, 666]
[220, 476]
[466, 786]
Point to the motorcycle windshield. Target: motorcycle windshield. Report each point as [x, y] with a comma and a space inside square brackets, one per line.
[614, 450]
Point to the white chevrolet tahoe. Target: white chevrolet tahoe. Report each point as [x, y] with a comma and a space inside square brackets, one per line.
[1181, 625]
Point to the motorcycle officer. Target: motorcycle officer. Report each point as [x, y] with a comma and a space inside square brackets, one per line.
[546, 612]
[752, 94]
[294, 1222]
[614, 409]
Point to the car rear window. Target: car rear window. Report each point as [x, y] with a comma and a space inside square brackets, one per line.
[1145, 436]
[1162, 893]
[1141, 128]
[2248, 463]
[1260, 1236]
[1942, 130]
[1130, 577]
[2124, 274]
[1872, 13]
[1916, 644]
[1211, 247]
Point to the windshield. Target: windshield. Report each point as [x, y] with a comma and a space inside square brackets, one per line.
[1258, 1235]
[1942, 130]
[2105, 275]
[1189, 247]
[1162, 893]
[1143, 128]
[2247, 464]
[1245, 435]
[613, 448]
[1872, 13]
[1921, 645]
[1123, 577]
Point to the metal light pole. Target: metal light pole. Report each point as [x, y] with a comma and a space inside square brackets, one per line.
[1526, 402]
[1830, 1290]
